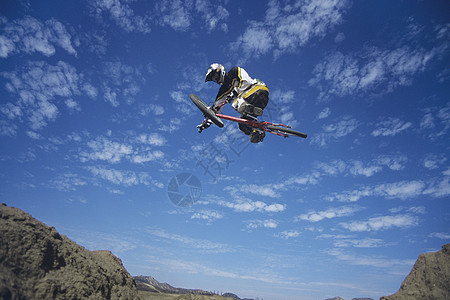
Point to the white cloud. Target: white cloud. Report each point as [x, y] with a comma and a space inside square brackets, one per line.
[436, 122]
[181, 14]
[434, 161]
[153, 139]
[207, 215]
[187, 241]
[246, 205]
[67, 182]
[99, 240]
[325, 113]
[322, 169]
[373, 261]
[141, 156]
[288, 234]
[173, 125]
[214, 15]
[72, 104]
[390, 127]
[267, 190]
[287, 27]
[155, 109]
[393, 162]
[400, 190]
[121, 13]
[362, 243]
[370, 70]
[30, 35]
[340, 37]
[107, 150]
[439, 187]
[255, 224]
[36, 89]
[335, 131]
[124, 177]
[121, 82]
[440, 235]
[382, 223]
[334, 212]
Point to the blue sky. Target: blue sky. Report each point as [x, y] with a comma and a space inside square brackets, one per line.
[96, 121]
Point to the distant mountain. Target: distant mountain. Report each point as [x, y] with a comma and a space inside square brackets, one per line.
[150, 284]
[339, 298]
[429, 279]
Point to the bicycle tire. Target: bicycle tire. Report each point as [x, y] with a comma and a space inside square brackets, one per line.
[207, 112]
[287, 130]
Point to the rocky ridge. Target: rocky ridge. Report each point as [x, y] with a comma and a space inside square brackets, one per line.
[36, 262]
[429, 278]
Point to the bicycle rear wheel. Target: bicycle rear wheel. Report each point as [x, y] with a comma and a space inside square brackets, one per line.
[207, 112]
[287, 131]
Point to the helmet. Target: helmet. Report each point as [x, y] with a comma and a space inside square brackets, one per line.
[216, 72]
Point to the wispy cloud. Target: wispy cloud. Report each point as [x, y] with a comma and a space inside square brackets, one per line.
[325, 113]
[372, 261]
[382, 223]
[121, 81]
[436, 122]
[37, 87]
[288, 234]
[207, 215]
[321, 170]
[335, 131]
[440, 235]
[390, 127]
[255, 224]
[179, 15]
[288, 27]
[68, 182]
[247, 205]
[358, 167]
[101, 240]
[30, 35]
[437, 187]
[371, 70]
[121, 13]
[139, 149]
[345, 241]
[433, 161]
[334, 212]
[124, 178]
[189, 242]
[268, 190]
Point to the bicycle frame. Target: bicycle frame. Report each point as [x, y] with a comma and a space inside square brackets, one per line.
[254, 123]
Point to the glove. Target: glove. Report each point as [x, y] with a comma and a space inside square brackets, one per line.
[205, 124]
[231, 96]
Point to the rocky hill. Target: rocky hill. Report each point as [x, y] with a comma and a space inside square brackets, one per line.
[429, 278]
[36, 262]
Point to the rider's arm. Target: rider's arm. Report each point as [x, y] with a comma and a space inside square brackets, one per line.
[237, 81]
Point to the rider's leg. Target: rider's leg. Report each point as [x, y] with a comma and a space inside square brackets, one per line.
[247, 130]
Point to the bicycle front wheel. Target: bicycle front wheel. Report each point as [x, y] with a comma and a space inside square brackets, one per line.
[207, 112]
